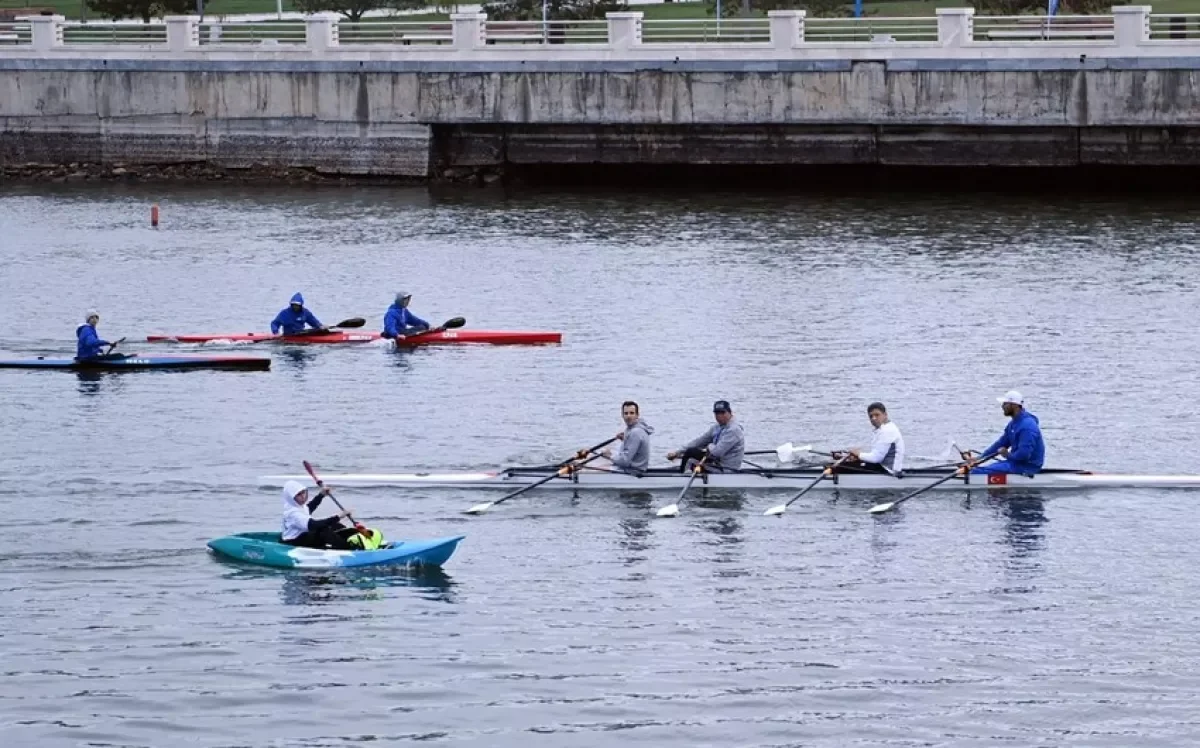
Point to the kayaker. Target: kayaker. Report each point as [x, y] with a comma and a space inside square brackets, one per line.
[634, 455]
[399, 322]
[89, 346]
[724, 443]
[1021, 444]
[299, 527]
[887, 445]
[292, 320]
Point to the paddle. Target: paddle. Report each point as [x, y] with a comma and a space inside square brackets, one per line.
[321, 484]
[672, 510]
[113, 345]
[451, 324]
[346, 323]
[963, 468]
[826, 473]
[563, 469]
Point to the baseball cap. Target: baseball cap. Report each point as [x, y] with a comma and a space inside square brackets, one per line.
[721, 406]
[1012, 396]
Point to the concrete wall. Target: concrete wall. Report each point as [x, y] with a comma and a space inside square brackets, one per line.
[411, 118]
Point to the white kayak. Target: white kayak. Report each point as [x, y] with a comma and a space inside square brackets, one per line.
[790, 479]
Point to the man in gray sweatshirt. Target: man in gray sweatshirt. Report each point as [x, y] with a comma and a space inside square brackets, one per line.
[724, 443]
[634, 455]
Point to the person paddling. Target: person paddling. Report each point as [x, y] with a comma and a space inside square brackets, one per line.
[724, 443]
[300, 529]
[634, 455]
[90, 347]
[293, 319]
[887, 446]
[1021, 445]
[399, 322]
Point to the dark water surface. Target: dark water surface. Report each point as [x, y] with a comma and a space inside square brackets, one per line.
[962, 620]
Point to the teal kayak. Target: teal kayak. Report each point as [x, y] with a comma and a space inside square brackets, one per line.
[265, 548]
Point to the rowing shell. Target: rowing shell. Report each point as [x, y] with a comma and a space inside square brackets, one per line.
[667, 479]
[446, 337]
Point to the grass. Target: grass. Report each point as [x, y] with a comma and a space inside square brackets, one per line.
[665, 11]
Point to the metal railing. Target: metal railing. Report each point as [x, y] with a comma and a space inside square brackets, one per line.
[707, 30]
[1020, 29]
[870, 30]
[396, 32]
[550, 32]
[18, 32]
[253, 32]
[1175, 26]
[114, 33]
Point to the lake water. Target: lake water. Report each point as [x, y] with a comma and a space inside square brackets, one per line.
[964, 619]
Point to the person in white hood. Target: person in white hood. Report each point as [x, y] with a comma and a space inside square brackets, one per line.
[299, 527]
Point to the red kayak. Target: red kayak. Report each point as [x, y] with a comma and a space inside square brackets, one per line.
[446, 337]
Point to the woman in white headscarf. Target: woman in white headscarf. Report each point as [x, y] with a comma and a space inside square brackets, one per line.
[299, 527]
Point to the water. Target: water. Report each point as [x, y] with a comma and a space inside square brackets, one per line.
[962, 620]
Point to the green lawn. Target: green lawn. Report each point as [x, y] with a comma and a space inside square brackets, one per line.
[73, 8]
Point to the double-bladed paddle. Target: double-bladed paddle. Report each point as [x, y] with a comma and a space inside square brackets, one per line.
[672, 510]
[113, 345]
[826, 473]
[351, 323]
[562, 470]
[963, 469]
[451, 324]
[321, 484]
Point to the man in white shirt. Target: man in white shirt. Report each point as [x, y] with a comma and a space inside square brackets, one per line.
[887, 445]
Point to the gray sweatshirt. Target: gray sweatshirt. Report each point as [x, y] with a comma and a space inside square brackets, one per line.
[634, 455]
[728, 444]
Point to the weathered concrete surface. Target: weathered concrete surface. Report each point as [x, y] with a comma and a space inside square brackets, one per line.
[406, 119]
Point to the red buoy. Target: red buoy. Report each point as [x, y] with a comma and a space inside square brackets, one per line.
[154, 215]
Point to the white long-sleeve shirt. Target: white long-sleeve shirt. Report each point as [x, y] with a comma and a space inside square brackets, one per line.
[887, 448]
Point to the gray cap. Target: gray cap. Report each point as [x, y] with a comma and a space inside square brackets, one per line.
[402, 295]
[90, 313]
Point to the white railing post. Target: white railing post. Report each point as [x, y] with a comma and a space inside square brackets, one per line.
[786, 28]
[1131, 25]
[183, 32]
[469, 30]
[46, 32]
[956, 26]
[625, 30]
[320, 31]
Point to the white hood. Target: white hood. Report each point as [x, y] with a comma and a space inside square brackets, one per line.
[295, 516]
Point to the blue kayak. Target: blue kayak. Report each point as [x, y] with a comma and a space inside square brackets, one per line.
[264, 548]
[135, 362]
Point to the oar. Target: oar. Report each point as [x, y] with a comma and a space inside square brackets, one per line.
[963, 469]
[451, 324]
[321, 484]
[346, 323]
[672, 510]
[787, 452]
[563, 469]
[826, 473]
[113, 345]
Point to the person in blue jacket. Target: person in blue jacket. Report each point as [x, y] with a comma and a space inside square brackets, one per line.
[1021, 444]
[293, 319]
[90, 345]
[399, 323]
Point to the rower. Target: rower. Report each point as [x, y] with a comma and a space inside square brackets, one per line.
[887, 445]
[89, 346]
[300, 529]
[724, 443]
[1021, 444]
[293, 319]
[399, 322]
[634, 456]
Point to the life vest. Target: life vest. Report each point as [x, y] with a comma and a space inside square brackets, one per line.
[371, 540]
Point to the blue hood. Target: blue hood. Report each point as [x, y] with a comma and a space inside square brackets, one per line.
[297, 299]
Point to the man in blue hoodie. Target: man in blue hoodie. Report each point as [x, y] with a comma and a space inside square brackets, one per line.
[399, 323]
[90, 346]
[1021, 444]
[293, 319]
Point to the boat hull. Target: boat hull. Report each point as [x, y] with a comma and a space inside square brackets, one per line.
[446, 337]
[792, 479]
[137, 362]
[264, 549]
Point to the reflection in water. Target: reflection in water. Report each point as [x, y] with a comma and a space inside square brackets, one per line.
[297, 358]
[1025, 513]
[313, 587]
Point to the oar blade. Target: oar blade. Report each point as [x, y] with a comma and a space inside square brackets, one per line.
[352, 322]
[454, 323]
[783, 452]
[671, 510]
[480, 508]
[775, 510]
[881, 508]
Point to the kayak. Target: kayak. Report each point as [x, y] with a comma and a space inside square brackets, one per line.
[264, 548]
[446, 337]
[136, 362]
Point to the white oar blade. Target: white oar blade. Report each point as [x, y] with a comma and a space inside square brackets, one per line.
[671, 510]
[479, 508]
[775, 510]
[783, 452]
[881, 508]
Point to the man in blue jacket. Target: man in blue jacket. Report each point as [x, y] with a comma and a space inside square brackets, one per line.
[1021, 444]
[293, 319]
[399, 323]
[90, 346]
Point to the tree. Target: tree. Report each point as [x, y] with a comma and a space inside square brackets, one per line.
[815, 8]
[143, 9]
[354, 10]
[557, 10]
[1038, 7]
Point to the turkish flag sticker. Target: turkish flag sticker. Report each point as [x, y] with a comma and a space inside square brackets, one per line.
[997, 479]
